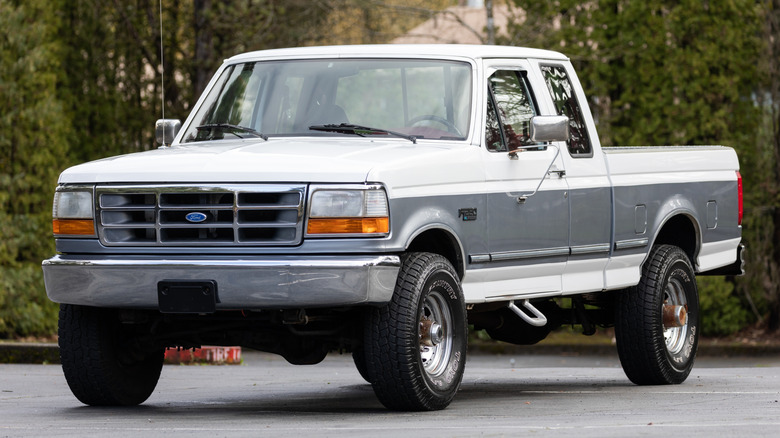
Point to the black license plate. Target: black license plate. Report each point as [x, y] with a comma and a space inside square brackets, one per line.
[187, 296]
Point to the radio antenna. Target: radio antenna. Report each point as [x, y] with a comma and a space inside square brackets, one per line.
[162, 66]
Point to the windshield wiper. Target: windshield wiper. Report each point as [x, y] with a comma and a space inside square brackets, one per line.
[233, 129]
[348, 128]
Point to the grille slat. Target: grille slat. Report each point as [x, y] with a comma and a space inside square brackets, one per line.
[250, 215]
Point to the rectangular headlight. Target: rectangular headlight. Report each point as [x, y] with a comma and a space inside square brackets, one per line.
[73, 213]
[72, 205]
[348, 211]
[337, 203]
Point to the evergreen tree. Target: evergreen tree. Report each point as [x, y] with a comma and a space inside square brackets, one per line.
[33, 147]
[763, 167]
[81, 80]
[670, 72]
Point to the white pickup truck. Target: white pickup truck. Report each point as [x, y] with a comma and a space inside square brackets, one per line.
[378, 200]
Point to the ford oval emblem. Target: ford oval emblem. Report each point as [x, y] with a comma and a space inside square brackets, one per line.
[196, 217]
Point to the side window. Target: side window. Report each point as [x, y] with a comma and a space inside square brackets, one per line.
[566, 105]
[509, 112]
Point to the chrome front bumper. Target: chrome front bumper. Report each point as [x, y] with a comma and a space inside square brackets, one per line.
[245, 283]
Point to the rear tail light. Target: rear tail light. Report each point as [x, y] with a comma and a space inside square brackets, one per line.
[739, 196]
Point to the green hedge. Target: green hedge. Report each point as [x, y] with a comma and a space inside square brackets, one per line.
[25, 311]
[722, 313]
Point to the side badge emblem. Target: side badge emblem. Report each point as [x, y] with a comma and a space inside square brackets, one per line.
[468, 214]
[195, 217]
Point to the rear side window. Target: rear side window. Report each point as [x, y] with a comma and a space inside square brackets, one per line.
[566, 105]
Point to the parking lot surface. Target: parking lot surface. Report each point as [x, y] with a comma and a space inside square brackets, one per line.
[501, 395]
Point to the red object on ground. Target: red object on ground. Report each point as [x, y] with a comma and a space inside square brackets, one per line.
[204, 355]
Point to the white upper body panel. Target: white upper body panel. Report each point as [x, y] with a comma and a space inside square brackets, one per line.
[393, 161]
[360, 159]
[639, 165]
[433, 51]
[314, 159]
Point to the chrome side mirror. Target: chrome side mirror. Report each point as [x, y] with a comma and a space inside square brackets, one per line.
[549, 128]
[165, 131]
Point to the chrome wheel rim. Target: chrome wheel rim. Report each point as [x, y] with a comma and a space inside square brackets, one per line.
[435, 334]
[674, 337]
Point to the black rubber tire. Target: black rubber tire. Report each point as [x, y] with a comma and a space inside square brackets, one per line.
[650, 353]
[359, 357]
[405, 374]
[101, 364]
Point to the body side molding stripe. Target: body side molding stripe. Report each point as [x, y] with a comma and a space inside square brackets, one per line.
[529, 254]
[598, 248]
[479, 258]
[632, 243]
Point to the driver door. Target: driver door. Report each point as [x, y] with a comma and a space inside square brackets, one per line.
[528, 209]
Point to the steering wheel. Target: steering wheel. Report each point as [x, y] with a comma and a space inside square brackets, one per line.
[450, 126]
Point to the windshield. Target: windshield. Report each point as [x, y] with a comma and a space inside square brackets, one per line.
[422, 98]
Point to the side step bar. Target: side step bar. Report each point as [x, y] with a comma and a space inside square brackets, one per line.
[538, 320]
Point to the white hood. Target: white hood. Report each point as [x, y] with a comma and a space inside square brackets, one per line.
[255, 160]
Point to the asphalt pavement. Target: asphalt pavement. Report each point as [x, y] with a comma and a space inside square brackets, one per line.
[48, 353]
[501, 395]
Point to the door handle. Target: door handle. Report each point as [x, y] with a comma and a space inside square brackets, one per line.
[561, 172]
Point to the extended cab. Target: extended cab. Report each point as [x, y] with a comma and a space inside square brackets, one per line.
[378, 200]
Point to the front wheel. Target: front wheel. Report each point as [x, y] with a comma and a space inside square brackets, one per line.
[415, 346]
[102, 364]
[657, 322]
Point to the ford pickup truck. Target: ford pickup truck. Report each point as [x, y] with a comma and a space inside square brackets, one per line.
[379, 201]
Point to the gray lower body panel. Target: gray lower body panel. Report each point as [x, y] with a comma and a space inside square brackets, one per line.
[246, 283]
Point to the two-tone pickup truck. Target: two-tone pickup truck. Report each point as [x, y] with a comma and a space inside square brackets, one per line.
[378, 200]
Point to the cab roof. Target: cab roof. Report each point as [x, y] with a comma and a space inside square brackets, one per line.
[401, 50]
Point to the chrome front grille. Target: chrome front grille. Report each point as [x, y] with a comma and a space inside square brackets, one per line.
[205, 215]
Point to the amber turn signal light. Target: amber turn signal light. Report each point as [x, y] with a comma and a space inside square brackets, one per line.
[85, 227]
[366, 225]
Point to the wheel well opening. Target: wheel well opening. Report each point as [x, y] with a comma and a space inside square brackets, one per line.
[442, 243]
[681, 232]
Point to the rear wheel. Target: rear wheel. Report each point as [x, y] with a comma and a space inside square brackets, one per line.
[359, 357]
[657, 321]
[102, 364]
[415, 346]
